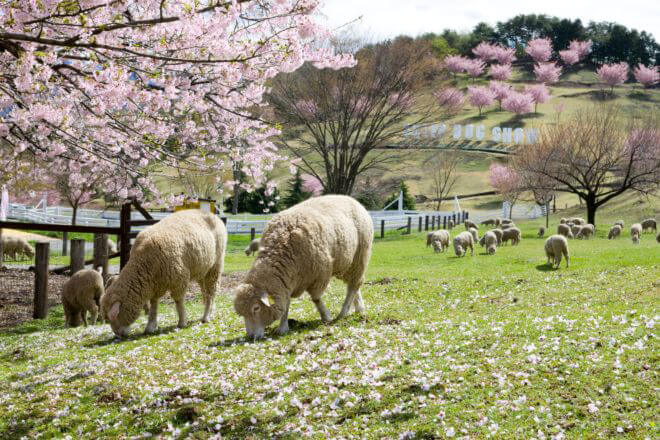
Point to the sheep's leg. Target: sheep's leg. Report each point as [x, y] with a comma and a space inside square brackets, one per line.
[208, 286]
[181, 311]
[323, 310]
[283, 328]
[152, 321]
[358, 304]
[83, 315]
[351, 291]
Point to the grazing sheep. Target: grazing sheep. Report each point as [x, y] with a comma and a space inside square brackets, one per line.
[498, 222]
[575, 230]
[186, 246]
[112, 247]
[555, 247]
[489, 222]
[636, 233]
[490, 241]
[512, 234]
[578, 221]
[17, 246]
[541, 232]
[302, 248]
[563, 221]
[615, 231]
[450, 224]
[649, 224]
[498, 233]
[586, 231]
[462, 242]
[253, 247]
[80, 295]
[565, 230]
[506, 226]
[470, 224]
[439, 240]
[475, 234]
[506, 221]
[108, 283]
[620, 223]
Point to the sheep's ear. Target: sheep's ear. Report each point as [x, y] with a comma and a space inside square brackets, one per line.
[264, 299]
[114, 311]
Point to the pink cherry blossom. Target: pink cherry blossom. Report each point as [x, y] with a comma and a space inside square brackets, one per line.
[484, 51]
[518, 103]
[547, 73]
[501, 72]
[504, 55]
[456, 63]
[475, 67]
[311, 185]
[613, 74]
[540, 49]
[539, 93]
[581, 47]
[480, 97]
[647, 76]
[569, 57]
[451, 99]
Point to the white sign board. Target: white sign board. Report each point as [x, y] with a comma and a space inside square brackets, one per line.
[471, 132]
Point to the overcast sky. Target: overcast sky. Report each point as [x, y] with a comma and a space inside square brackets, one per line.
[385, 18]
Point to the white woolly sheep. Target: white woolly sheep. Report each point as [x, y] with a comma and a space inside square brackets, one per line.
[490, 241]
[565, 230]
[649, 224]
[614, 232]
[586, 231]
[187, 246]
[506, 221]
[620, 223]
[563, 221]
[462, 242]
[439, 240]
[506, 226]
[470, 224]
[498, 233]
[81, 295]
[636, 233]
[489, 222]
[108, 283]
[17, 246]
[575, 230]
[253, 247]
[450, 224]
[578, 221]
[555, 247]
[498, 222]
[302, 248]
[541, 232]
[512, 234]
[475, 234]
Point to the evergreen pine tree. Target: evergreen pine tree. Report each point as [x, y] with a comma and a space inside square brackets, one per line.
[296, 193]
[408, 199]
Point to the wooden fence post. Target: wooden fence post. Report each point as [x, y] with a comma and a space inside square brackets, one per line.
[2, 250]
[77, 255]
[65, 243]
[433, 223]
[453, 216]
[444, 222]
[426, 223]
[409, 225]
[253, 233]
[41, 280]
[382, 229]
[419, 228]
[124, 234]
[101, 254]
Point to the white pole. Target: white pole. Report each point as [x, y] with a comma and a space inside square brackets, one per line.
[400, 201]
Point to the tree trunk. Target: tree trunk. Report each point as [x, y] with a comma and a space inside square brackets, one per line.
[547, 215]
[74, 215]
[234, 205]
[510, 210]
[591, 209]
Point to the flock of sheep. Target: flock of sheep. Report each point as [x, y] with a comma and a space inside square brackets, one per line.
[300, 250]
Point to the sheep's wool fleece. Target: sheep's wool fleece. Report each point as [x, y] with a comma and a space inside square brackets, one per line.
[186, 246]
[305, 245]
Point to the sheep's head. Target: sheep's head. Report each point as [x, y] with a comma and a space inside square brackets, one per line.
[118, 310]
[491, 249]
[252, 304]
[458, 249]
[29, 251]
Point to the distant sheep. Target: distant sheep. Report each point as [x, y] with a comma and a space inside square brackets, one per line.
[462, 242]
[112, 247]
[450, 224]
[470, 224]
[506, 226]
[512, 234]
[565, 230]
[253, 247]
[506, 221]
[620, 223]
[16, 246]
[439, 240]
[81, 295]
[555, 247]
[615, 231]
[578, 221]
[575, 230]
[649, 224]
[186, 246]
[586, 231]
[636, 233]
[475, 234]
[303, 247]
[498, 233]
[563, 221]
[541, 232]
[489, 222]
[490, 241]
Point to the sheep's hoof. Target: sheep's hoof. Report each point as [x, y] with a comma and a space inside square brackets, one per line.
[282, 330]
[149, 330]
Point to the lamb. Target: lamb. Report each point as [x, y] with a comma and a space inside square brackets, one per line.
[253, 247]
[620, 223]
[15, 246]
[512, 234]
[462, 242]
[586, 231]
[470, 224]
[439, 240]
[615, 231]
[490, 241]
[81, 295]
[187, 245]
[541, 232]
[636, 233]
[575, 230]
[498, 233]
[650, 224]
[302, 248]
[565, 230]
[475, 234]
[489, 222]
[555, 247]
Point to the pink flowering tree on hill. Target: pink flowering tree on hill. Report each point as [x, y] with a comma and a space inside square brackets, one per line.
[480, 97]
[547, 73]
[613, 74]
[485, 51]
[539, 94]
[504, 55]
[540, 49]
[475, 68]
[507, 182]
[312, 185]
[582, 48]
[501, 72]
[646, 76]
[456, 64]
[518, 103]
[451, 99]
[569, 57]
[501, 90]
[127, 84]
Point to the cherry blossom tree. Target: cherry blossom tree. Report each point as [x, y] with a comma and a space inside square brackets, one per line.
[125, 84]
[456, 63]
[501, 72]
[547, 73]
[507, 182]
[613, 74]
[451, 99]
[518, 103]
[504, 55]
[647, 76]
[540, 49]
[569, 57]
[485, 51]
[539, 93]
[501, 90]
[480, 96]
[475, 67]
[581, 47]
[311, 185]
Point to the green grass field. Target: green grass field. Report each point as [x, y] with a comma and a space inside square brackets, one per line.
[480, 346]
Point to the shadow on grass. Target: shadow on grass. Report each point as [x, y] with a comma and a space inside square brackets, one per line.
[641, 96]
[545, 268]
[54, 321]
[136, 336]
[295, 326]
